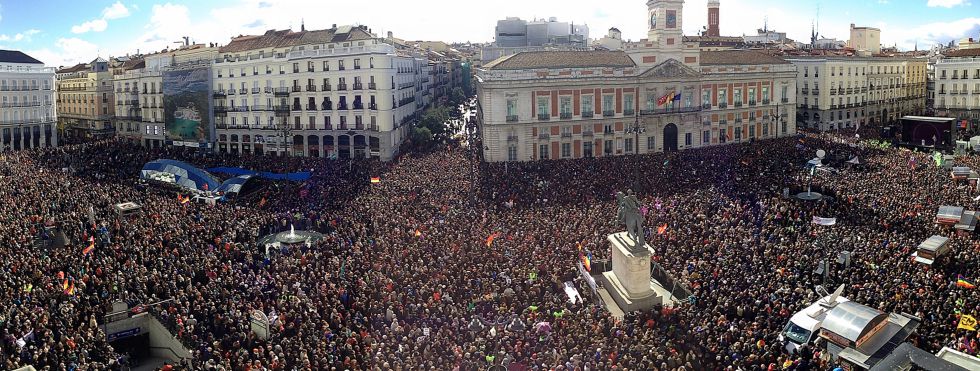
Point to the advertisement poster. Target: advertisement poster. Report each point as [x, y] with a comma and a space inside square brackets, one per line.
[186, 95]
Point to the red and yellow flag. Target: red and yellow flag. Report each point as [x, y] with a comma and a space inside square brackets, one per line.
[375, 179]
[662, 229]
[91, 246]
[491, 237]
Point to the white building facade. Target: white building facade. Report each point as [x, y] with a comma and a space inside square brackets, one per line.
[139, 112]
[338, 93]
[27, 101]
[847, 92]
[957, 85]
[661, 94]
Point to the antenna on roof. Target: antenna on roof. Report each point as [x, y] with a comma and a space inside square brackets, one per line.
[818, 18]
[302, 25]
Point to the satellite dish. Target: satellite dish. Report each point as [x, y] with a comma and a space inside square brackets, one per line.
[821, 153]
[836, 294]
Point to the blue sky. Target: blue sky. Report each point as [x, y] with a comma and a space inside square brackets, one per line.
[63, 32]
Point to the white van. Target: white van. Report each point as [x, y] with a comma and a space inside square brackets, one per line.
[804, 326]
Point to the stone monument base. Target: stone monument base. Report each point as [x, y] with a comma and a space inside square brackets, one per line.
[629, 282]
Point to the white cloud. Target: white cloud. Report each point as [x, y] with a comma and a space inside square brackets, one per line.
[26, 35]
[68, 52]
[168, 22]
[927, 35]
[164, 14]
[97, 25]
[23, 36]
[945, 3]
[115, 11]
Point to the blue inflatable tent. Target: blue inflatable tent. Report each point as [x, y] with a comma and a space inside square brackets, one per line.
[179, 173]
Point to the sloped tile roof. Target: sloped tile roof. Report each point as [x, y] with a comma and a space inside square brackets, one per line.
[561, 59]
[738, 57]
[963, 53]
[75, 68]
[134, 64]
[286, 38]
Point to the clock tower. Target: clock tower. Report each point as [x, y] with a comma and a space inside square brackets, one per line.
[664, 23]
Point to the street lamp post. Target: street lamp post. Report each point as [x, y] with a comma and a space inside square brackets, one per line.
[636, 129]
[822, 239]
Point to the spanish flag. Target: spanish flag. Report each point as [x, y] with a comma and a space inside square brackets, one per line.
[967, 323]
[91, 246]
[963, 282]
[491, 237]
[661, 229]
[375, 179]
[71, 289]
[64, 285]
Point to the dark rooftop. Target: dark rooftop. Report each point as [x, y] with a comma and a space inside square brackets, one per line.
[16, 56]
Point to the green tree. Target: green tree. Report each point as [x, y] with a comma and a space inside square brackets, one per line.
[436, 119]
[457, 96]
[421, 136]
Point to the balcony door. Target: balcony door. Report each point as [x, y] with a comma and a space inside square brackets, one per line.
[670, 138]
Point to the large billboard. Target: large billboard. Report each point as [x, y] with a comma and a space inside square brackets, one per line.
[186, 95]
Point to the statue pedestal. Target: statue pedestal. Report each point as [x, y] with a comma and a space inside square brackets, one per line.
[629, 281]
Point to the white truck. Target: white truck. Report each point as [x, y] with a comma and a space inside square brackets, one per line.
[804, 325]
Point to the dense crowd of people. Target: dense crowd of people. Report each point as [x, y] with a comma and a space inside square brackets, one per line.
[449, 263]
